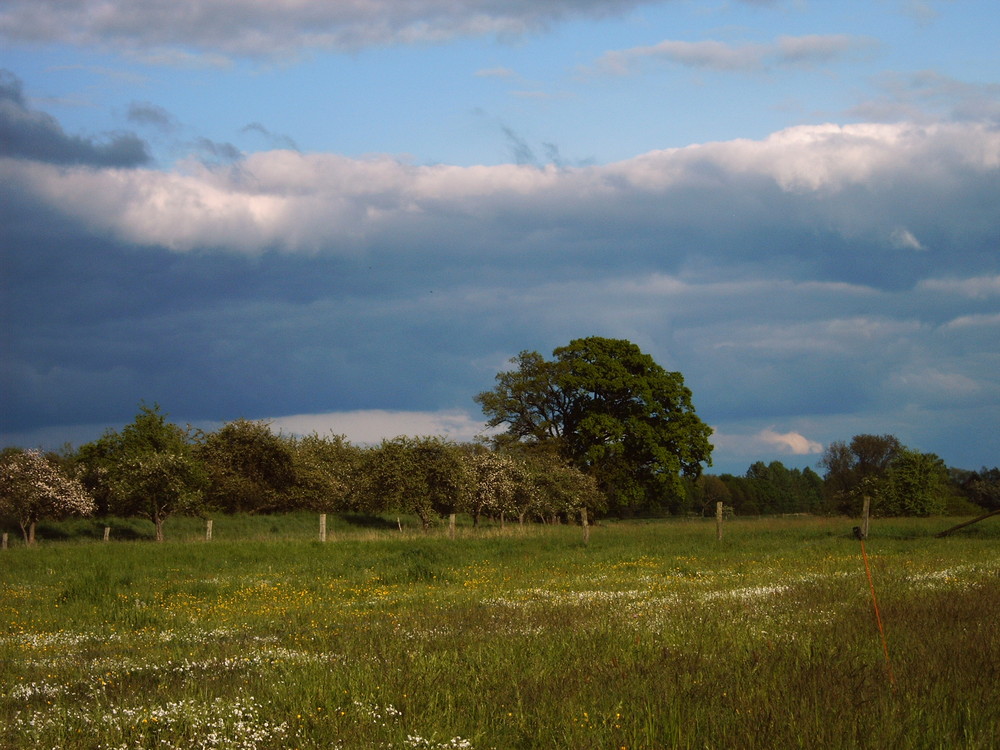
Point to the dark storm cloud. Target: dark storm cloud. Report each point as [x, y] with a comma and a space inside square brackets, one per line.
[29, 134]
[819, 283]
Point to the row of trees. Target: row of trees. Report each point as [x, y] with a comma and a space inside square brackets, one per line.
[600, 426]
[155, 469]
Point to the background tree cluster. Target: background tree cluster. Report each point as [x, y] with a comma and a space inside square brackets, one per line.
[600, 427]
[900, 481]
[155, 469]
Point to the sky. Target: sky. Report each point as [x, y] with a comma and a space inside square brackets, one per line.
[349, 216]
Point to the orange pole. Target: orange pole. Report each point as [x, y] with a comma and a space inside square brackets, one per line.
[878, 616]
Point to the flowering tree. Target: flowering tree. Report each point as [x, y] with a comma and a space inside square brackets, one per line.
[31, 489]
[496, 484]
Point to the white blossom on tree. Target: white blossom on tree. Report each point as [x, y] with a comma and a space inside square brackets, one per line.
[32, 489]
[496, 484]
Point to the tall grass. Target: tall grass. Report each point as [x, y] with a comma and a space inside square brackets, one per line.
[653, 635]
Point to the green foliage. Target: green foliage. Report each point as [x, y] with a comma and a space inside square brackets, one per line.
[981, 488]
[866, 458]
[249, 467]
[326, 470]
[916, 484]
[428, 476]
[897, 480]
[610, 410]
[559, 489]
[149, 469]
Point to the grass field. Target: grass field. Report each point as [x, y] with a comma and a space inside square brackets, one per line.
[653, 635]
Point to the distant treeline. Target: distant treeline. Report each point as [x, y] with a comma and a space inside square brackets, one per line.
[154, 469]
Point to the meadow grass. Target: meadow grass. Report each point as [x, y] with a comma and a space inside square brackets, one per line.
[653, 635]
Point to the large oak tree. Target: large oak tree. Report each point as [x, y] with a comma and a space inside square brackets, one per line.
[610, 410]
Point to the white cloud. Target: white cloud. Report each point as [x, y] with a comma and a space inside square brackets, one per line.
[712, 55]
[764, 443]
[499, 72]
[311, 202]
[790, 442]
[975, 321]
[904, 239]
[364, 427]
[945, 385]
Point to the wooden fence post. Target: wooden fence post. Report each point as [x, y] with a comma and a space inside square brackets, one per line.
[586, 525]
[718, 520]
[322, 527]
[107, 533]
[3, 543]
[451, 525]
[866, 508]
[962, 525]
[208, 530]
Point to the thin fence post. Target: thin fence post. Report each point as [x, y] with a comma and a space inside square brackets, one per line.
[322, 527]
[718, 520]
[107, 533]
[3, 543]
[451, 525]
[865, 510]
[586, 525]
[208, 530]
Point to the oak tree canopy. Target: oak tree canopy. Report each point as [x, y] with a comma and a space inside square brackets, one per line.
[608, 409]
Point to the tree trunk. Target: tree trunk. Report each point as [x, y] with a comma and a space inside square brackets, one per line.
[159, 528]
[28, 531]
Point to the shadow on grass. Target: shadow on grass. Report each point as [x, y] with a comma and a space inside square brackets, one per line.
[367, 521]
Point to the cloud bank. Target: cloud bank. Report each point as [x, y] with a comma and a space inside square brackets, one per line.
[821, 282]
[168, 31]
[870, 184]
[786, 51]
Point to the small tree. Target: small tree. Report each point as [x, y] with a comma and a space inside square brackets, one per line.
[158, 485]
[848, 466]
[426, 476]
[496, 479]
[916, 484]
[151, 469]
[326, 471]
[32, 489]
[249, 467]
